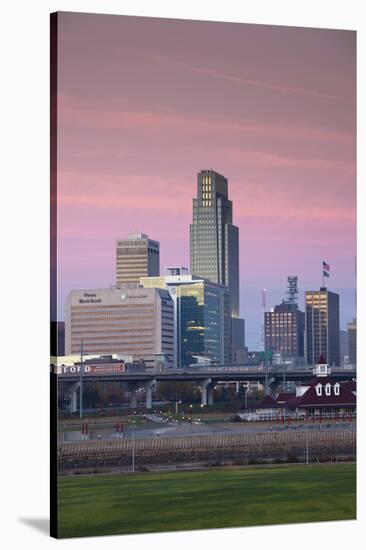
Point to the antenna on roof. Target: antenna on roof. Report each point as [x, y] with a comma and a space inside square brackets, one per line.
[292, 290]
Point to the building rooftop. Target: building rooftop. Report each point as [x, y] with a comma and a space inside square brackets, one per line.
[347, 395]
[137, 236]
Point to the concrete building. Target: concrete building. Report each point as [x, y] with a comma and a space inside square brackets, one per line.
[352, 342]
[137, 256]
[214, 243]
[135, 321]
[322, 326]
[284, 330]
[202, 317]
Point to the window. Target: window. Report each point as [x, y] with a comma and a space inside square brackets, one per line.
[319, 389]
[328, 389]
[336, 389]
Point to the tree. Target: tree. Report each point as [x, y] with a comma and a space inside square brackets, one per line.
[179, 391]
[91, 396]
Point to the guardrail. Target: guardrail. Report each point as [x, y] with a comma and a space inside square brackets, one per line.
[277, 370]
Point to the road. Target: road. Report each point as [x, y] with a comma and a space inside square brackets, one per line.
[170, 429]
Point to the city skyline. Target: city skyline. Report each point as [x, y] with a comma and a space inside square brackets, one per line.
[132, 144]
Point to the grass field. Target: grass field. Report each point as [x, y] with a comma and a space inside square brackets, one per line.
[151, 502]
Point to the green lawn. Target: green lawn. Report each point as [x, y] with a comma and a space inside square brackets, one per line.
[142, 503]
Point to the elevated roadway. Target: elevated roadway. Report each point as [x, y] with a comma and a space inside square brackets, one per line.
[205, 377]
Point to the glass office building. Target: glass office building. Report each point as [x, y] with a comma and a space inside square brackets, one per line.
[202, 318]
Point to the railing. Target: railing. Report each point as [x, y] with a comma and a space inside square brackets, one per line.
[230, 369]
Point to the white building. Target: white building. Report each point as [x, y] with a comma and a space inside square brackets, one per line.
[133, 321]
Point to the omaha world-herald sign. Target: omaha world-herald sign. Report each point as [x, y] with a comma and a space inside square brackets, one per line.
[94, 298]
[90, 298]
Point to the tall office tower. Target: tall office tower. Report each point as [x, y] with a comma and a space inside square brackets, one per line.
[322, 326]
[202, 322]
[137, 256]
[137, 322]
[214, 239]
[214, 244]
[352, 342]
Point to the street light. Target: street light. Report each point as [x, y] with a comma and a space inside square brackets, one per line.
[177, 403]
[191, 406]
[133, 446]
[307, 441]
[81, 379]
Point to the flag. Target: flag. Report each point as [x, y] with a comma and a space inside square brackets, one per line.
[326, 266]
[325, 274]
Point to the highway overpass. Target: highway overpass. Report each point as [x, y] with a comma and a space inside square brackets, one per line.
[205, 377]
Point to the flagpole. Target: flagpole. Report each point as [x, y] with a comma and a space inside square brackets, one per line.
[323, 273]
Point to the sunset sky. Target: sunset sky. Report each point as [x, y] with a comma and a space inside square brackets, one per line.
[145, 104]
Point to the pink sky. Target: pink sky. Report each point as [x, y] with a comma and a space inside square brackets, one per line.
[145, 104]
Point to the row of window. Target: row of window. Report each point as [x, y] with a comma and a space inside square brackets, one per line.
[328, 389]
[85, 332]
[90, 315]
[89, 309]
[103, 314]
[94, 323]
[132, 259]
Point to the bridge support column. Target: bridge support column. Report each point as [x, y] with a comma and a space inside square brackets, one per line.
[149, 387]
[210, 392]
[132, 388]
[207, 392]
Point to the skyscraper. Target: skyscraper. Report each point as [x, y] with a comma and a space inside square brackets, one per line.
[322, 326]
[214, 244]
[137, 256]
[214, 240]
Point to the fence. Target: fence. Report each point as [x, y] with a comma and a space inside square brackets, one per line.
[243, 448]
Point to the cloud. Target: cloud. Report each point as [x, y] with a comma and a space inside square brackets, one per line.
[75, 112]
[249, 82]
[260, 158]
